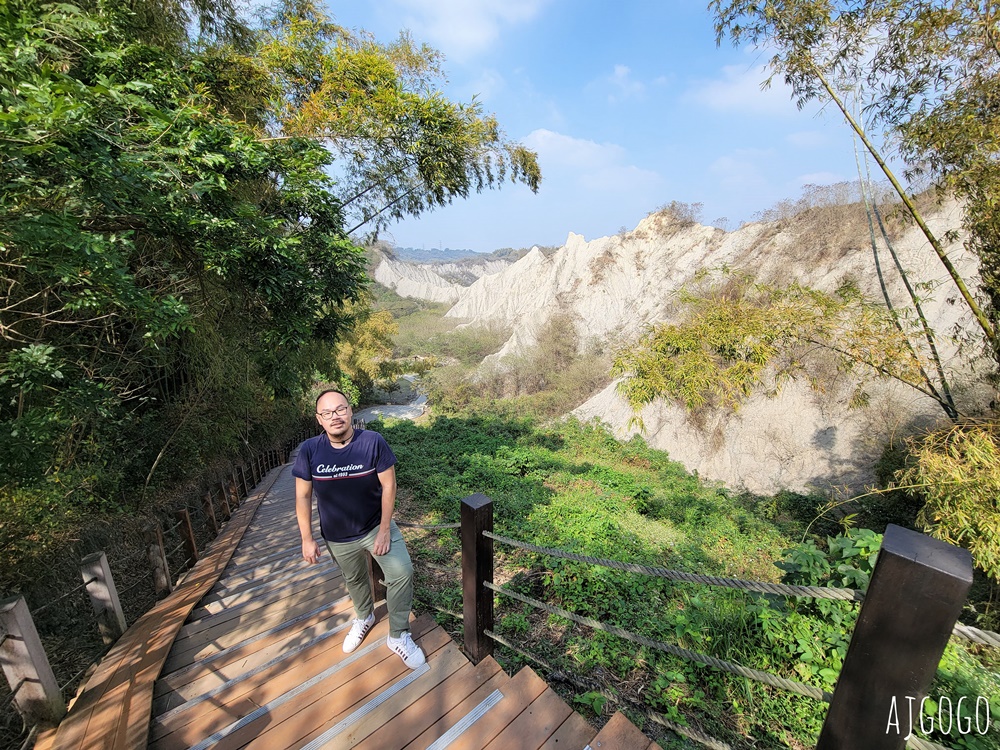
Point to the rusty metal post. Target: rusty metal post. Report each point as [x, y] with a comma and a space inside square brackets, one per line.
[914, 599]
[227, 509]
[234, 493]
[244, 487]
[477, 568]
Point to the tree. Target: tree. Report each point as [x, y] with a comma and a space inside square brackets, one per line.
[159, 257]
[736, 337]
[924, 70]
[365, 352]
[402, 147]
[177, 265]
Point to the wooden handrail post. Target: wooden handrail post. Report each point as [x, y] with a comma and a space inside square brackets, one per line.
[227, 510]
[376, 577]
[477, 567]
[244, 486]
[36, 692]
[187, 535]
[234, 492]
[104, 596]
[914, 599]
[254, 477]
[209, 508]
[158, 560]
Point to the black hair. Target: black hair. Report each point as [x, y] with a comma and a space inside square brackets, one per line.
[332, 390]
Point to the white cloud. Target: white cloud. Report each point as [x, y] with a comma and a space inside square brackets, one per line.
[488, 84]
[595, 166]
[619, 86]
[622, 83]
[738, 90]
[464, 28]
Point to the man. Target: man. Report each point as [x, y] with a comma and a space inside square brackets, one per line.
[353, 474]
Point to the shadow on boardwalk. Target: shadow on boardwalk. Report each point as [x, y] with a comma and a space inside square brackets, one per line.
[247, 653]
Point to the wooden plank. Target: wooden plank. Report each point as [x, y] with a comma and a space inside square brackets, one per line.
[534, 725]
[190, 727]
[244, 697]
[332, 579]
[443, 663]
[499, 681]
[574, 733]
[263, 591]
[228, 632]
[114, 707]
[326, 704]
[221, 591]
[430, 707]
[206, 674]
[523, 688]
[619, 734]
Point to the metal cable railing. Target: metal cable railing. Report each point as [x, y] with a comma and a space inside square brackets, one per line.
[965, 632]
[982, 637]
[689, 732]
[405, 525]
[64, 595]
[762, 587]
[753, 674]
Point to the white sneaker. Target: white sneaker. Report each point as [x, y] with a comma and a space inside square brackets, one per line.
[406, 649]
[358, 632]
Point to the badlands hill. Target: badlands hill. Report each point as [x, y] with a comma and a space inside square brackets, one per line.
[615, 287]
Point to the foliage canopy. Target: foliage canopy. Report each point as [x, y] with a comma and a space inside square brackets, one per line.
[176, 254]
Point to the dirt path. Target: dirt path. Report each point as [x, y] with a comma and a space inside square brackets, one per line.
[411, 410]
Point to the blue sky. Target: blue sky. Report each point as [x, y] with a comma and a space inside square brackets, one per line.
[629, 106]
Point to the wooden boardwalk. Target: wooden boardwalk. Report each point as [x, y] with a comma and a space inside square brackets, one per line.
[247, 653]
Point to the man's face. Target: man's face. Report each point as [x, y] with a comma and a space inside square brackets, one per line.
[334, 415]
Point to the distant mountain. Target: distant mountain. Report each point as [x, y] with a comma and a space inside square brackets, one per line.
[433, 255]
[613, 288]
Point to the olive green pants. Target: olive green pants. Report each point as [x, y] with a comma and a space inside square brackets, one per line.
[397, 572]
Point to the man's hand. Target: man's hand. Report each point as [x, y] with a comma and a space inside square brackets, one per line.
[381, 545]
[310, 550]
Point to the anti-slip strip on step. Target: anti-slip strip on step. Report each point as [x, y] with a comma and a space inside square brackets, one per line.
[247, 675]
[285, 697]
[255, 638]
[366, 709]
[467, 721]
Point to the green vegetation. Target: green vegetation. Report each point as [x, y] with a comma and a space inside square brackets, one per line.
[736, 337]
[574, 487]
[178, 269]
[925, 74]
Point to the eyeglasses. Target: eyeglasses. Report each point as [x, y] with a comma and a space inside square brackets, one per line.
[331, 413]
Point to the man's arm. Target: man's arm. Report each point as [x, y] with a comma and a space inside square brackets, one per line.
[303, 512]
[388, 480]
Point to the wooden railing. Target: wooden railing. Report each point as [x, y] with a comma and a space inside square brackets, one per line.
[914, 598]
[37, 697]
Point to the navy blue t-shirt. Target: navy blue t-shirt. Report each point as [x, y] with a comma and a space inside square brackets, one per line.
[345, 482]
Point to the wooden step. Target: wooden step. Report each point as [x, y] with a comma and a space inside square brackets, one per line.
[621, 734]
